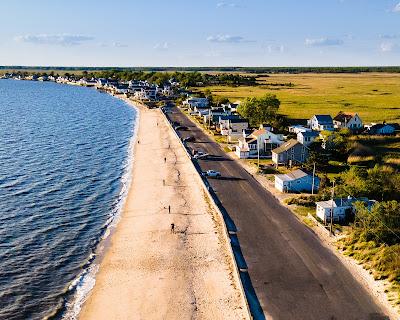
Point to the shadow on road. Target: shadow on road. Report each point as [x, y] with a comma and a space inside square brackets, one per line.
[231, 178]
[216, 158]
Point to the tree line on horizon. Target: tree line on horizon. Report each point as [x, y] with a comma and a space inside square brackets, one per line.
[348, 69]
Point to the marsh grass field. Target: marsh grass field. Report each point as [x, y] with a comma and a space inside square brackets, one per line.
[374, 96]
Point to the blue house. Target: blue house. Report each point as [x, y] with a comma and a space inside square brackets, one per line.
[296, 181]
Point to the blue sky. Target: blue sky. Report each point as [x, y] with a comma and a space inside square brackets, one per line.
[200, 32]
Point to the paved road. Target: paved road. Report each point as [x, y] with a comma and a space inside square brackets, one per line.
[294, 276]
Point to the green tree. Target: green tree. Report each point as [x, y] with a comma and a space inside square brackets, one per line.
[381, 223]
[260, 110]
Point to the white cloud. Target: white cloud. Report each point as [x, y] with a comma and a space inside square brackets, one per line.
[119, 45]
[387, 46]
[227, 4]
[322, 42]
[389, 36]
[162, 46]
[396, 8]
[64, 39]
[276, 48]
[227, 39]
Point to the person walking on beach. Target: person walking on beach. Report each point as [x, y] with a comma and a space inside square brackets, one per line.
[169, 209]
[172, 227]
[165, 160]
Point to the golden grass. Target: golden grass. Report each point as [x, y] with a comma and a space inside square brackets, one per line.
[358, 159]
[374, 96]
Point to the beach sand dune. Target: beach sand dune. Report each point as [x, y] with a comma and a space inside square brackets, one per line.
[149, 272]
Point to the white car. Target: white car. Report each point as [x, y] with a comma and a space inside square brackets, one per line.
[212, 174]
[200, 155]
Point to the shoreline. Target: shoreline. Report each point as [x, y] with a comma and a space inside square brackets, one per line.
[225, 297]
[84, 283]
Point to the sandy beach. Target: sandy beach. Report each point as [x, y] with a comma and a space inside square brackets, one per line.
[149, 272]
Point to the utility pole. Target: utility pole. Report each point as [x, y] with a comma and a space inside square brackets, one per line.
[209, 118]
[313, 180]
[333, 196]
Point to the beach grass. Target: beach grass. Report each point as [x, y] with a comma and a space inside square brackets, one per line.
[374, 96]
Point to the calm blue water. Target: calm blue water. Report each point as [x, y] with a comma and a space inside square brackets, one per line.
[63, 156]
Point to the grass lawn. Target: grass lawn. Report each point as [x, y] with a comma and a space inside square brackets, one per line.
[375, 96]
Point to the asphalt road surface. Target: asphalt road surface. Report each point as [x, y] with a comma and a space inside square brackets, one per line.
[294, 276]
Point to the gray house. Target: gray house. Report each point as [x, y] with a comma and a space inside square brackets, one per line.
[291, 151]
[296, 181]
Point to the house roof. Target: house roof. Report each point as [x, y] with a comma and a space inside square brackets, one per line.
[229, 117]
[342, 202]
[258, 132]
[238, 120]
[323, 118]
[382, 125]
[294, 175]
[309, 133]
[344, 116]
[286, 146]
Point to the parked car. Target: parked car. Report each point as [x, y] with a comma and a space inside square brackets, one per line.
[189, 139]
[201, 155]
[212, 174]
[181, 128]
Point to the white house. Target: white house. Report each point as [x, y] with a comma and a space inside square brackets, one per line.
[307, 137]
[232, 124]
[196, 102]
[348, 120]
[321, 122]
[298, 128]
[261, 141]
[296, 181]
[343, 208]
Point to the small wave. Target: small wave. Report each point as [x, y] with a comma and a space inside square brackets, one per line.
[84, 283]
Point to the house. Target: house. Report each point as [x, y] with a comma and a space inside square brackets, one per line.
[321, 122]
[296, 181]
[289, 152]
[382, 128]
[120, 88]
[343, 208]
[167, 91]
[298, 128]
[232, 124]
[307, 137]
[196, 102]
[346, 120]
[214, 114]
[145, 93]
[259, 142]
